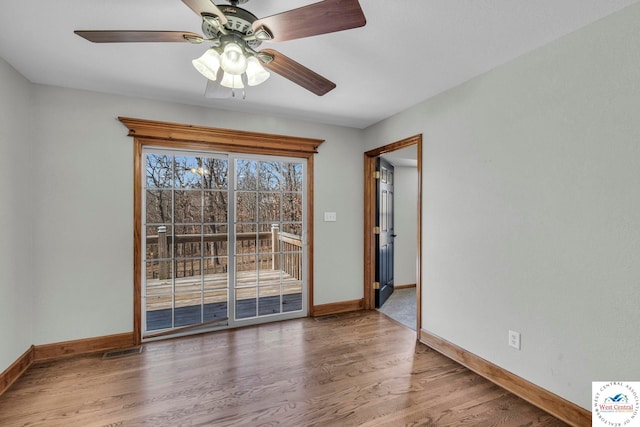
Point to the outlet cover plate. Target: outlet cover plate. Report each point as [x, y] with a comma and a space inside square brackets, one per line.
[514, 339]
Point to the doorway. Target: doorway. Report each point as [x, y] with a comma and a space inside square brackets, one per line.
[370, 264]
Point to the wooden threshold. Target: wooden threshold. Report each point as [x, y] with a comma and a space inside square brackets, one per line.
[185, 328]
[15, 371]
[338, 307]
[549, 402]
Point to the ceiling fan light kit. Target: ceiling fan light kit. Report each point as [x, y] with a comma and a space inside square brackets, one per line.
[208, 64]
[256, 73]
[234, 49]
[233, 60]
[235, 34]
[233, 81]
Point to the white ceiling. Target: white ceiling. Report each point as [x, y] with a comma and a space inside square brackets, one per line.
[408, 51]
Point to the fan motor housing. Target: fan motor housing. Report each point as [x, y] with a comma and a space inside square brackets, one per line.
[238, 20]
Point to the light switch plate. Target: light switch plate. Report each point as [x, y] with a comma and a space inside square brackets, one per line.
[330, 217]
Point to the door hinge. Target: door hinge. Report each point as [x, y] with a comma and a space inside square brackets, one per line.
[376, 230]
[376, 175]
[376, 285]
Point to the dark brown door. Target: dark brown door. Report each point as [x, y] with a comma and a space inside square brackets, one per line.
[384, 231]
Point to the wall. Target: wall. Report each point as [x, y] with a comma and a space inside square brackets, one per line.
[17, 172]
[405, 224]
[84, 222]
[530, 209]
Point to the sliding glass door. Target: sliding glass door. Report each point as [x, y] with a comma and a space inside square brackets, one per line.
[269, 228]
[223, 238]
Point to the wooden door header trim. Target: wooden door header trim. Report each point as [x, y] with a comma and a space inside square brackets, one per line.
[404, 143]
[227, 138]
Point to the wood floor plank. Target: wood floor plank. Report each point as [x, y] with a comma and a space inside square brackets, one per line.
[360, 368]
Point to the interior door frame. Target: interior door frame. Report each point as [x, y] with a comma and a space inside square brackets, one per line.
[370, 221]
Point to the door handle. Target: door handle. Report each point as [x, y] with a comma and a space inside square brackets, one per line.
[394, 235]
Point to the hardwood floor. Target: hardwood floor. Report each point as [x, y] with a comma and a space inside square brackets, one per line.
[352, 369]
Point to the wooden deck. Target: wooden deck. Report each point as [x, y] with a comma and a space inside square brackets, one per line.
[189, 292]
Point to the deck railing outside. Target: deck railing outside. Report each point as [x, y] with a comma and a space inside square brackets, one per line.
[276, 251]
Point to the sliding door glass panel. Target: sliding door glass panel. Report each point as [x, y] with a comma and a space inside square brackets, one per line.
[186, 239]
[269, 220]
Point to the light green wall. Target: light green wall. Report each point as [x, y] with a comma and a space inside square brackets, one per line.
[16, 258]
[530, 209]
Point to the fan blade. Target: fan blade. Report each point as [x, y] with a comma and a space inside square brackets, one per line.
[136, 36]
[207, 7]
[318, 18]
[298, 73]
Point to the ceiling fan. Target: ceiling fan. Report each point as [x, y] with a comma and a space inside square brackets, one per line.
[235, 34]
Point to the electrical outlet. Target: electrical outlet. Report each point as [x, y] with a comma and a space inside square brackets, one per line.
[514, 339]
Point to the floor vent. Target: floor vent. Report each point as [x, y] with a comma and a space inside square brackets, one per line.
[325, 318]
[113, 354]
